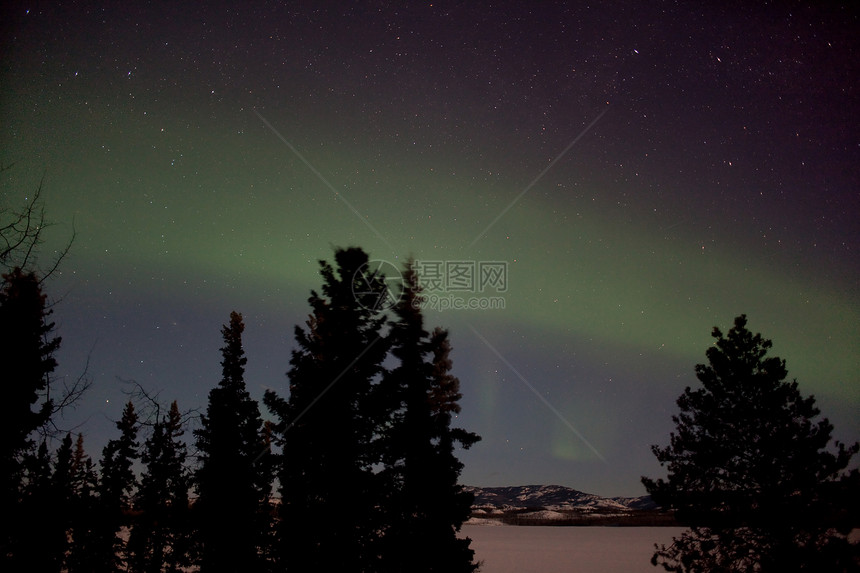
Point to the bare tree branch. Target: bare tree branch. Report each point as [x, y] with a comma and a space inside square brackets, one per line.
[21, 231]
[21, 234]
[68, 400]
[149, 406]
[62, 255]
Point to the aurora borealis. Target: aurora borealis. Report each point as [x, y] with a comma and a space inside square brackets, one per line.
[208, 157]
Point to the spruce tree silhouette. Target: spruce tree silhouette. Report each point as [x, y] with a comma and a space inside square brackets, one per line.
[82, 556]
[329, 492]
[232, 487]
[425, 504]
[116, 490]
[46, 515]
[36, 544]
[27, 353]
[62, 498]
[751, 471]
[160, 539]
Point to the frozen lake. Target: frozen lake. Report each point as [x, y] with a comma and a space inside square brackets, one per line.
[509, 549]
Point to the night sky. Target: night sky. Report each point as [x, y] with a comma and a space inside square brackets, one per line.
[646, 171]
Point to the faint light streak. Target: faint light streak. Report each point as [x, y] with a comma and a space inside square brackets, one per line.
[534, 390]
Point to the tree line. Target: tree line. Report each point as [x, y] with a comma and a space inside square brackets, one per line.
[354, 470]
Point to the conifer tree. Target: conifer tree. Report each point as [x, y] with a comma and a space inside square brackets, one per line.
[118, 479]
[38, 471]
[116, 490]
[50, 506]
[232, 486]
[267, 466]
[160, 540]
[426, 505]
[45, 511]
[329, 491]
[751, 471]
[27, 354]
[62, 497]
[66, 495]
[82, 556]
[28, 539]
[84, 477]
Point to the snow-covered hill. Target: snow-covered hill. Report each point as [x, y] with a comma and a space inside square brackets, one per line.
[559, 505]
[554, 497]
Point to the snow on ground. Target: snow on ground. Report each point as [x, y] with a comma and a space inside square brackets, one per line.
[484, 522]
[544, 514]
[510, 549]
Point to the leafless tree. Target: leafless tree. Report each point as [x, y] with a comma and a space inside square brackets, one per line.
[149, 405]
[21, 234]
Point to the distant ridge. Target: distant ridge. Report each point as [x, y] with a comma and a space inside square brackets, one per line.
[560, 505]
[554, 496]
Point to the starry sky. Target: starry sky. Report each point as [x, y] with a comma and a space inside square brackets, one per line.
[644, 170]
